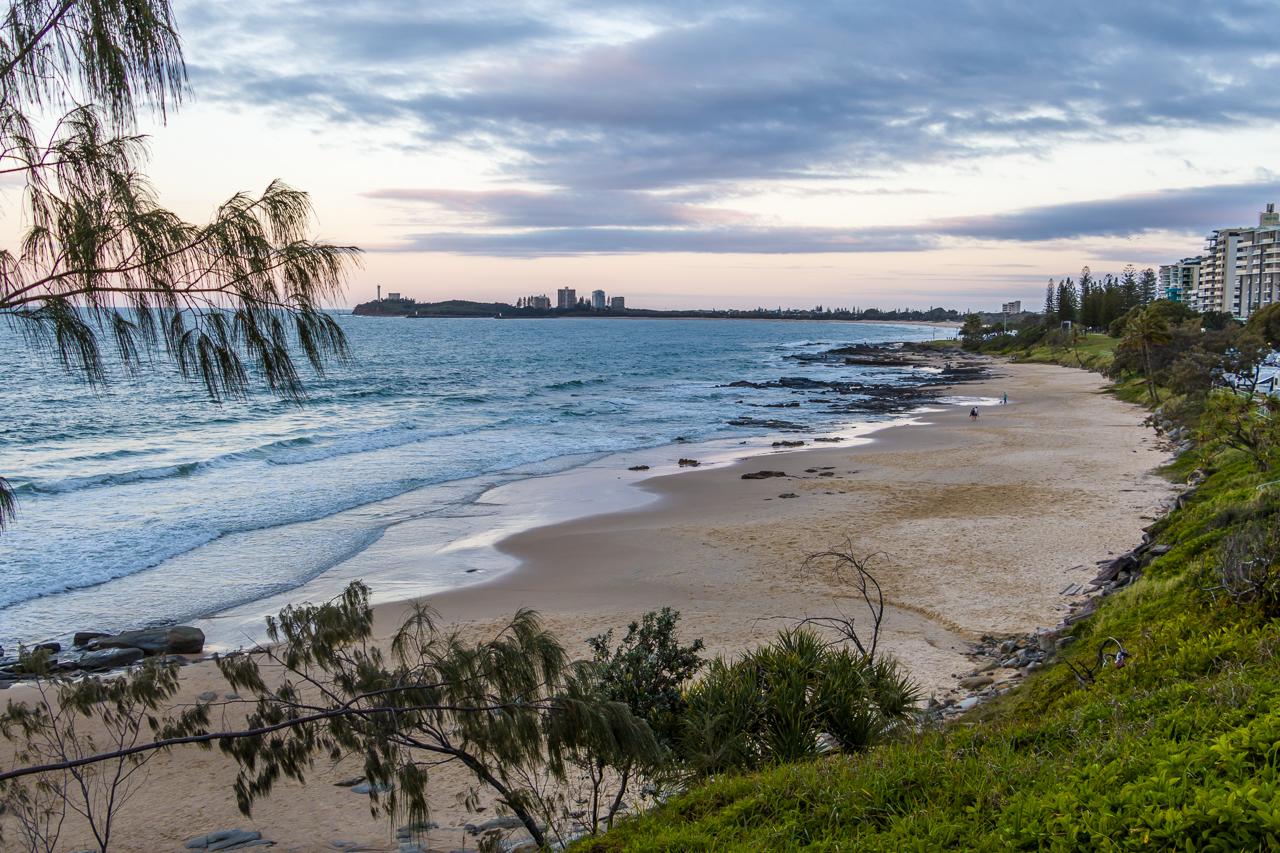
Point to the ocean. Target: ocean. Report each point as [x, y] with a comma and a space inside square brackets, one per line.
[144, 502]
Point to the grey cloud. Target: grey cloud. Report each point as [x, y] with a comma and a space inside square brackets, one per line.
[1192, 211]
[750, 91]
[1195, 210]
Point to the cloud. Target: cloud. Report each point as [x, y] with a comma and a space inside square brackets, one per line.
[1192, 211]
[649, 96]
[559, 209]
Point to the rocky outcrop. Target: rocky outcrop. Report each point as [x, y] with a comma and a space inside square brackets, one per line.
[174, 640]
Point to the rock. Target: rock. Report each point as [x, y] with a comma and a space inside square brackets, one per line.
[371, 788]
[763, 475]
[225, 839]
[175, 640]
[832, 440]
[788, 495]
[52, 648]
[1159, 550]
[82, 638]
[638, 468]
[503, 822]
[966, 704]
[412, 829]
[1063, 642]
[973, 682]
[349, 783]
[788, 444]
[207, 696]
[104, 659]
[689, 463]
[987, 667]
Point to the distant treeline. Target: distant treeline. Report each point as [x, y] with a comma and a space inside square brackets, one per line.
[466, 308]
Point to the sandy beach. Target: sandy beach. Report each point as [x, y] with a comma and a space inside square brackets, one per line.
[978, 526]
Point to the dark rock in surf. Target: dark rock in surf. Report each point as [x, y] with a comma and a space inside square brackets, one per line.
[174, 640]
[83, 638]
[104, 659]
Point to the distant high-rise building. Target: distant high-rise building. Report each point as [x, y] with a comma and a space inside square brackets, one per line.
[1240, 270]
[597, 300]
[566, 297]
[393, 295]
[617, 303]
[1014, 307]
[541, 302]
[1179, 282]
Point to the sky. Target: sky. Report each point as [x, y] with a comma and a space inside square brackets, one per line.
[735, 154]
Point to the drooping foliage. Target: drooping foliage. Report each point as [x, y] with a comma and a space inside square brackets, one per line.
[101, 265]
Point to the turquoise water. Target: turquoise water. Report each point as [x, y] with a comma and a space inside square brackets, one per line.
[149, 476]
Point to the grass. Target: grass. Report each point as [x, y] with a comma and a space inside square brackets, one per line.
[1179, 749]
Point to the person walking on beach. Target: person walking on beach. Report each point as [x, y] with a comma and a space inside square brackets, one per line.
[1004, 401]
[973, 413]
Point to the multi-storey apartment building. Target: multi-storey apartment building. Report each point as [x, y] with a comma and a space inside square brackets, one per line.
[1240, 270]
[1258, 265]
[1179, 282]
[566, 297]
[597, 300]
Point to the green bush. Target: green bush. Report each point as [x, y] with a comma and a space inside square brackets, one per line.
[775, 703]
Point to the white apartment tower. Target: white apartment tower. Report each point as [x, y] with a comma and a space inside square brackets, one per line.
[1240, 271]
[566, 297]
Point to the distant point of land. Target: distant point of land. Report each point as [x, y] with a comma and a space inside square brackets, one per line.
[466, 308]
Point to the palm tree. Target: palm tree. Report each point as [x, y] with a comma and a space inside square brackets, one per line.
[1146, 330]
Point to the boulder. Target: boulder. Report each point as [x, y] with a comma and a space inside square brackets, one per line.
[52, 648]
[504, 822]
[174, 640]
[371, 788]
[763, 475]
[225, 839]
[83, 638]
[689, 463]
[638, 468]
[103, 659]
[975, 681]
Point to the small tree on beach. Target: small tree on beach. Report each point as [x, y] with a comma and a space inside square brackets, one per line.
[647, 671]
[101, 264]
[512, 709]
[64, 732]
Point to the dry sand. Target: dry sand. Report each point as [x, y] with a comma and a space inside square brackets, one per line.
[978, 526]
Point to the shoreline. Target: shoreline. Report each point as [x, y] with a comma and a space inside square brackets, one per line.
[982, 525]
